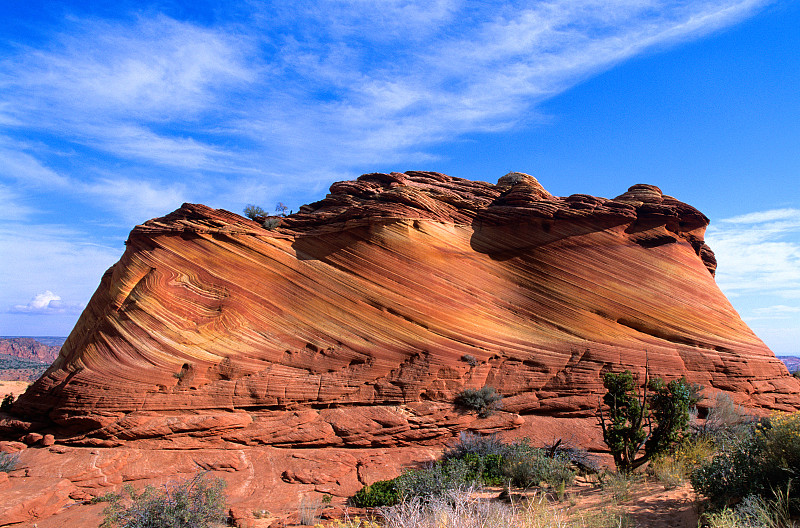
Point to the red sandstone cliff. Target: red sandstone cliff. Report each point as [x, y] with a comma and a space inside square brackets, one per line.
[349, 324]
[28, 348]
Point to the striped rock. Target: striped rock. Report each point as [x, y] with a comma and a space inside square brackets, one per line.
[356, 321]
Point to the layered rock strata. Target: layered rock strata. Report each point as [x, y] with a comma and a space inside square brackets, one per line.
[356, 321]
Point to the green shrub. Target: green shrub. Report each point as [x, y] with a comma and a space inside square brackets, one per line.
[271, 223]
[765, 459]
[528, 466]
[485, 469]
[653, 420]
[381, 493]
[470, 360]
[8, 462]
[492, 462]
[734, 472]
[484, 400]
[473, 444]
[473, 461]
[753, 511]
[253, 211]
[8, 400]
[437, 480]
[194, 503]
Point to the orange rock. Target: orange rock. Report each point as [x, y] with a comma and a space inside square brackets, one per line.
[349, 324]
[12, 447]
[262, 479]
[32, 438]
[28, 499]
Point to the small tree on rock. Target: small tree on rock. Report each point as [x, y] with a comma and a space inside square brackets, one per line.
[8, 401]
[253, 212]
[485, 400]
[650, 420]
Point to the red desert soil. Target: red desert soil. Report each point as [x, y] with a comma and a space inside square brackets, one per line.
[13, 387]
[326, 353]
[52, 486]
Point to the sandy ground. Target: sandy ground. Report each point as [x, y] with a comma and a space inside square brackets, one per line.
[13, 387]
[649, 505]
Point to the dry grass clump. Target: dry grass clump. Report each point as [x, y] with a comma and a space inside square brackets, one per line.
[754, 512]
[464, 509]
[674, 469]
[355, 522]
[8, 462]
[308, 510]
[195, 503]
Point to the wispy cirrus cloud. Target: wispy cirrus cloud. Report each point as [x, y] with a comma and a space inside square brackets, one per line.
[41, 259]
[339, 82]
[759, 252]
[759, 266]
[112, 120]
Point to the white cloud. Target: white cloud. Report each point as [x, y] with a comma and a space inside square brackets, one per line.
[12, 206]
[778, 310]
[759, 269]
[18, 165]
[790, 215]
[46, 303]
[39, 258]
[137, 200]
[131, 90]
[758, 251]
[157, 69]
[336, 82]
[132, 117]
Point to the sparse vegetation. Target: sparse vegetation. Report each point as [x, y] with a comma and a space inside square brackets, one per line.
[651, 421]
[726, 421]
[8, 462]
[470, 360]
[195, 503]
[485, 400]
[253, 211]
[8, 401]
[674, 468]
[619, 485]
[462, 509]
[763, 462]
[753, 512]
[355, 522]
[381, 493]
[271, 223]
[473, 461]
[261, 514]
[308, 510]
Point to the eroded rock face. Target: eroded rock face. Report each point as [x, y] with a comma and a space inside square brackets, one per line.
[356, 321]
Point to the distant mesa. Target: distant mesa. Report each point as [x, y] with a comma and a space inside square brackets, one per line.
[39, 349]
[792, 362]
[27, 358]
[348, 324]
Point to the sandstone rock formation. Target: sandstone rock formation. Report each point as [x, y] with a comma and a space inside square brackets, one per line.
[28, 348]
[356, 321]
[25, 358]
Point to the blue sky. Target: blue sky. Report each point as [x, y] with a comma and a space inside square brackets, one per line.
[111, 114]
